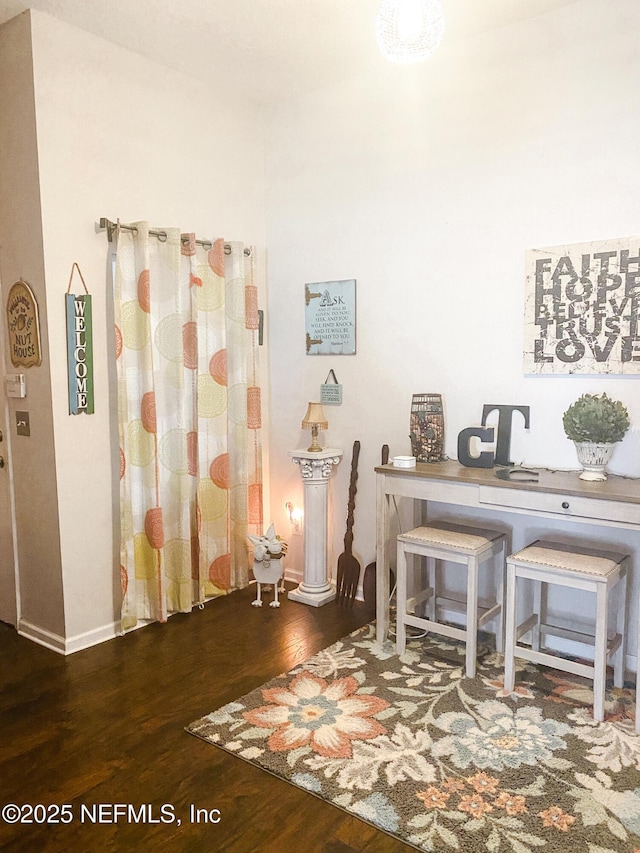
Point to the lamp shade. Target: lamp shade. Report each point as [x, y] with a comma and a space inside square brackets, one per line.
[314, 417]
[409, 30]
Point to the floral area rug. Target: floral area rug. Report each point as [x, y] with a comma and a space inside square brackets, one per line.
[441, 761]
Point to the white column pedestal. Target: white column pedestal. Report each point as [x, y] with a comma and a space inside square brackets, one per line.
[315, 470]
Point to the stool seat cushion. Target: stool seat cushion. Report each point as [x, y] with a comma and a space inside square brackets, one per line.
[569, 558]
[446, 534]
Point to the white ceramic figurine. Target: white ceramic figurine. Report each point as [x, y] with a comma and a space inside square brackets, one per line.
[268, 551]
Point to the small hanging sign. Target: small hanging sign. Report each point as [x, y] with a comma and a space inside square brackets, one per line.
[79, 349]
[331, 392]
[24, 326]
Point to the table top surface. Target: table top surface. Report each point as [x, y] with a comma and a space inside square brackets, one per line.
[614, 488]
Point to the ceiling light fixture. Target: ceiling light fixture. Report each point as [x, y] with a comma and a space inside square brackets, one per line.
[409, 30]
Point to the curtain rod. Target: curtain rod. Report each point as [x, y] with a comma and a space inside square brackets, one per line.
[109, 226]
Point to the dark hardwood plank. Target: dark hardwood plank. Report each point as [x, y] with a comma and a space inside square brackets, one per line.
[106, 726]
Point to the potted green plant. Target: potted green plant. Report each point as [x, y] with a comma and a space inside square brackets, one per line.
[595, 423]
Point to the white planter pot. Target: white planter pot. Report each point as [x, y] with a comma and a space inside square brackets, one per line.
[593, 458]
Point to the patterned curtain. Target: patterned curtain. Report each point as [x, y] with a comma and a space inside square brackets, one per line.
[189, 419]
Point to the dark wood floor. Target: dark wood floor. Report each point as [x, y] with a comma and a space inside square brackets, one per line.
[106, 725]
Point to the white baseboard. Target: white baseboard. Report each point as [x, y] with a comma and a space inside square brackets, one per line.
[293, 575]
[67, 646]
[41, 636]
[92, 638]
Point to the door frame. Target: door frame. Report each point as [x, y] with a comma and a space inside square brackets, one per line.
[10, 610]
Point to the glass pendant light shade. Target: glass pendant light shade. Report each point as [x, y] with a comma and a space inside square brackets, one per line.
[409, 30]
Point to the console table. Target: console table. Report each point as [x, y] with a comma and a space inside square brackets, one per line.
[556, 495]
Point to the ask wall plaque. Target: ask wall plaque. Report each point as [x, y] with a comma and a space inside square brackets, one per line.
[24, 326]
[330, 317]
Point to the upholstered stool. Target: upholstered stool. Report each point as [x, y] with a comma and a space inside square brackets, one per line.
[573, 567]
[456, 543]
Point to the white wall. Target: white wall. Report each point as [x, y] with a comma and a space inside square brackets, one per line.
[427, 184]
[30, 460]
[119, 136]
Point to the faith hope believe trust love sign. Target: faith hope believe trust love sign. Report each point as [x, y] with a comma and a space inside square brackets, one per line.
[582, 308]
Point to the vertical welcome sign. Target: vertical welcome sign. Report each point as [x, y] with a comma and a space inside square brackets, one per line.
[79, 350]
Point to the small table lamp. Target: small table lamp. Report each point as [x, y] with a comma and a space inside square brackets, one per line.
[314, 420]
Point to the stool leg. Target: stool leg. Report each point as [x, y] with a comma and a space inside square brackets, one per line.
[600, 659]
[620, 656]
[510, 630]
[500, 597]
[431, 581]
[540, 609]
[472, 617]
[401, 599]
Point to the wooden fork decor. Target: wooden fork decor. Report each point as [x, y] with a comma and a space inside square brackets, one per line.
[348, 566]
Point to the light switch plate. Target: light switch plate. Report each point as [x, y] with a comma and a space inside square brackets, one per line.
[15, 385]
[22, 423]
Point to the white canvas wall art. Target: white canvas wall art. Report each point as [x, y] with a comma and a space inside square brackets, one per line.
[581, 308]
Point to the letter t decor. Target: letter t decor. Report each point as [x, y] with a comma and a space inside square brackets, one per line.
[315, 470]
[505, 415]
